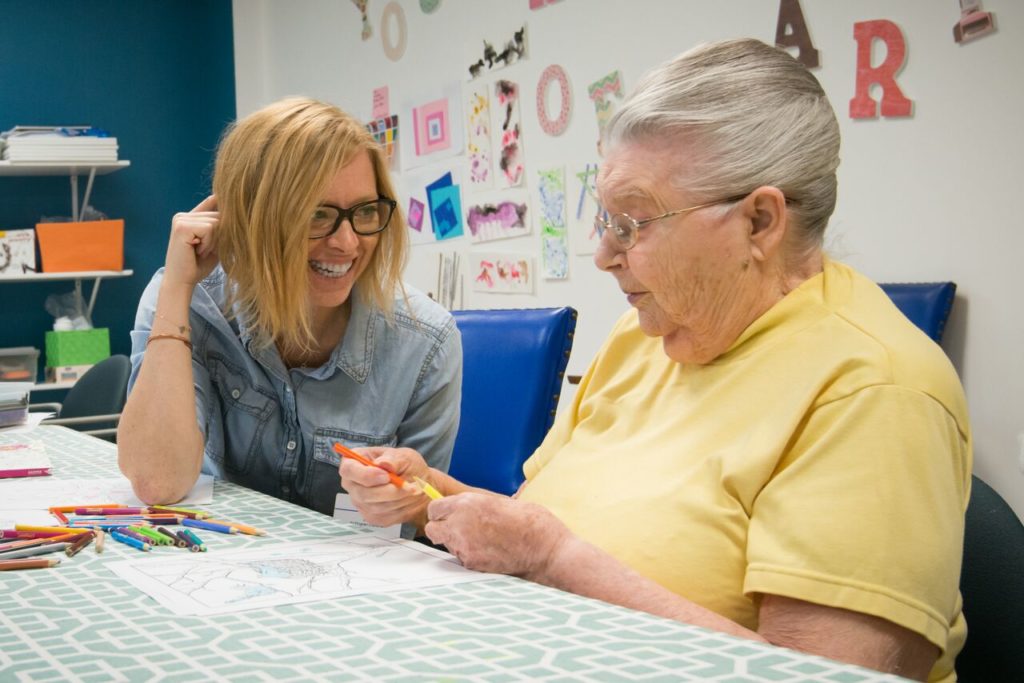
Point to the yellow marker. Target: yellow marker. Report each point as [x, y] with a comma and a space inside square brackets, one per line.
[428, 489]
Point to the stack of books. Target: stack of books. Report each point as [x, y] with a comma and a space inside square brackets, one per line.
[35, 144]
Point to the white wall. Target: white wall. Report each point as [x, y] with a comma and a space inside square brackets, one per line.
[931, 197]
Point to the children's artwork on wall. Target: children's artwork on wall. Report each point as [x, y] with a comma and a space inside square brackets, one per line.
[894, 103]
[541, 4]
[385, 132]
[431, 127]
[478, 144]
[583, 207]
[556, 126]
[445, 202]
[417, 201]
[498, 273]
[434, 125]
[791, 31]
[381, 102]
[414, 215]
[510, 163]
[393, 39]
[601, 93]
[367, 29]
[974, 23]
[551, 214]
[498, 220]
[429, 6]
[511, 50]
[449, 280]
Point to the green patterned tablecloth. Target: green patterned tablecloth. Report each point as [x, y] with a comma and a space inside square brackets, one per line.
[79, 622]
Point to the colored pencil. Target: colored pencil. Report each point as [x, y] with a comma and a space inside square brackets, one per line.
[28, 543]
[111, 511]
[72, 508]
[209, 526]
[6, 565]
[58, 529]
[243, 528]
[35, 550]
[127, 540]
[187, 512]
[174, 539]
[198, 542]
[154, 537]
[346, 452]
[100, 535]
[189, 543]
[78, 544]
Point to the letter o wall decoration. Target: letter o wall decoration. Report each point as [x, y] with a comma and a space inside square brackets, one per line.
[393, 49]
[556, 126]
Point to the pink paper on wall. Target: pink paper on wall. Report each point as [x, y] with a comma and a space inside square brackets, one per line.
[557, 125]
[380, 102]
[431, 128]
[894, 102]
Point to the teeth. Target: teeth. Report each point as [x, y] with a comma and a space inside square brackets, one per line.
[330, 269]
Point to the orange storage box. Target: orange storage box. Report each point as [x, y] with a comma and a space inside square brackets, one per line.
[87, 245]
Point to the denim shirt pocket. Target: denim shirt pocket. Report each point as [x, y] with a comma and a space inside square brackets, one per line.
[323, 477]
[245, 412]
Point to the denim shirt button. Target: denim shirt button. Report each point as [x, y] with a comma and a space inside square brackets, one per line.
[235, 393]
[291, 445]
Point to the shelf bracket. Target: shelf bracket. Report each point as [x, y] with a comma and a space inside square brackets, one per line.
[92, 295]
[76, 214]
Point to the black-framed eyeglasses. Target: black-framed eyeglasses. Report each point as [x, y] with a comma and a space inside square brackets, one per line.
[626, 229]
[366, 218]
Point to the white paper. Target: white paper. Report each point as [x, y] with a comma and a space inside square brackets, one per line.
[286, 573]
[345, 511]
[41, 493]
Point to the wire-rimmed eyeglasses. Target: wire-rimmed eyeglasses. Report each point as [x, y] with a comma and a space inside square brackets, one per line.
[366, 218]
[626, 229]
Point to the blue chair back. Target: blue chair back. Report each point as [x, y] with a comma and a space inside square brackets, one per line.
[513, 364]
[927, 304]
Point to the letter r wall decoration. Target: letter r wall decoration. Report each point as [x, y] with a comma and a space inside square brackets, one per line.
[894, 103]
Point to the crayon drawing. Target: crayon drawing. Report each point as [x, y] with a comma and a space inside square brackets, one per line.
[583, 207]
[601, 92]
[502, 273]
[285, 573]
[553, 232]
[512, 50]
[511, 154]
[479, 143]
[497, 220]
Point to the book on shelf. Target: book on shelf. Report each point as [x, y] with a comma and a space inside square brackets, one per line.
[84, 144]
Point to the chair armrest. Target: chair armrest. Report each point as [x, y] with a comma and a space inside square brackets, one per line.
[90, 419]
[41, 407]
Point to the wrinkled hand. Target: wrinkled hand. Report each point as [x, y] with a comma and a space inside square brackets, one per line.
[191, 251]
[497, 534]
[378, 500]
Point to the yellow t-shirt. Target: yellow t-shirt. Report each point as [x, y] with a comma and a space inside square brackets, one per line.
[826, 456]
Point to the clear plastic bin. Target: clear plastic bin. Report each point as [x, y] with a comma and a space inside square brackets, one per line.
[19, 364]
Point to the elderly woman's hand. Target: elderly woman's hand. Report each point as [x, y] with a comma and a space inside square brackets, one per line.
[497, 534]
[378, 500]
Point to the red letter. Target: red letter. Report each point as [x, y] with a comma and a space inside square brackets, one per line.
[893, 101]
[790, 16]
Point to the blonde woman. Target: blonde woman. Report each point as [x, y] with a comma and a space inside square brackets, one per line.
[279, 324]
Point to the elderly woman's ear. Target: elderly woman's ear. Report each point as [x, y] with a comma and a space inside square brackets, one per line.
[765, 211]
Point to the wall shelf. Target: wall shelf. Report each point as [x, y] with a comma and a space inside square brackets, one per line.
[40, 168]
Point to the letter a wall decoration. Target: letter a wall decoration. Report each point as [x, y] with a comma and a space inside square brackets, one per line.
[894, 103]
[791, 31]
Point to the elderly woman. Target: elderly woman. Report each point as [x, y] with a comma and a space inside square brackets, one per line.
[279, 324]
[765, 446]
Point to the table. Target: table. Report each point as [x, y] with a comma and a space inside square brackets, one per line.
[80, 622]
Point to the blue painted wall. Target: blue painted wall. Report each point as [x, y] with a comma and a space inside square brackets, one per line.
[160, 77]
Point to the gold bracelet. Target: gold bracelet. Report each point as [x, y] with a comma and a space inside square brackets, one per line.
[183, 329]
[183, 340]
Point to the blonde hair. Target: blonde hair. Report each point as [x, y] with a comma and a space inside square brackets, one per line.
[749, 115]
[273, 168]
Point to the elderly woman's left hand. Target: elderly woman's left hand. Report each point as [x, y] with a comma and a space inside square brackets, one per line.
[497, 534]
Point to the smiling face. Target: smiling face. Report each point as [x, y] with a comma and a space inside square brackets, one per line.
[689, 276]
[337, 261]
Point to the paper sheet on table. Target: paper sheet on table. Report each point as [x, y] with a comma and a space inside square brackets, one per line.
[25, 501]
[31, 423]
[285, 573]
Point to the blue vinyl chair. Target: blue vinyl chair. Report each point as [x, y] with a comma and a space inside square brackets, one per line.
[513, 365]
[926, 304]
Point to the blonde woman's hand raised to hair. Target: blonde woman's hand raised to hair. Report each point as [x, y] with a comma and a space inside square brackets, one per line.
[192, 248]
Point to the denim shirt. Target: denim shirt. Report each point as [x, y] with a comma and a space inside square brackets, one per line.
[272, 429]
